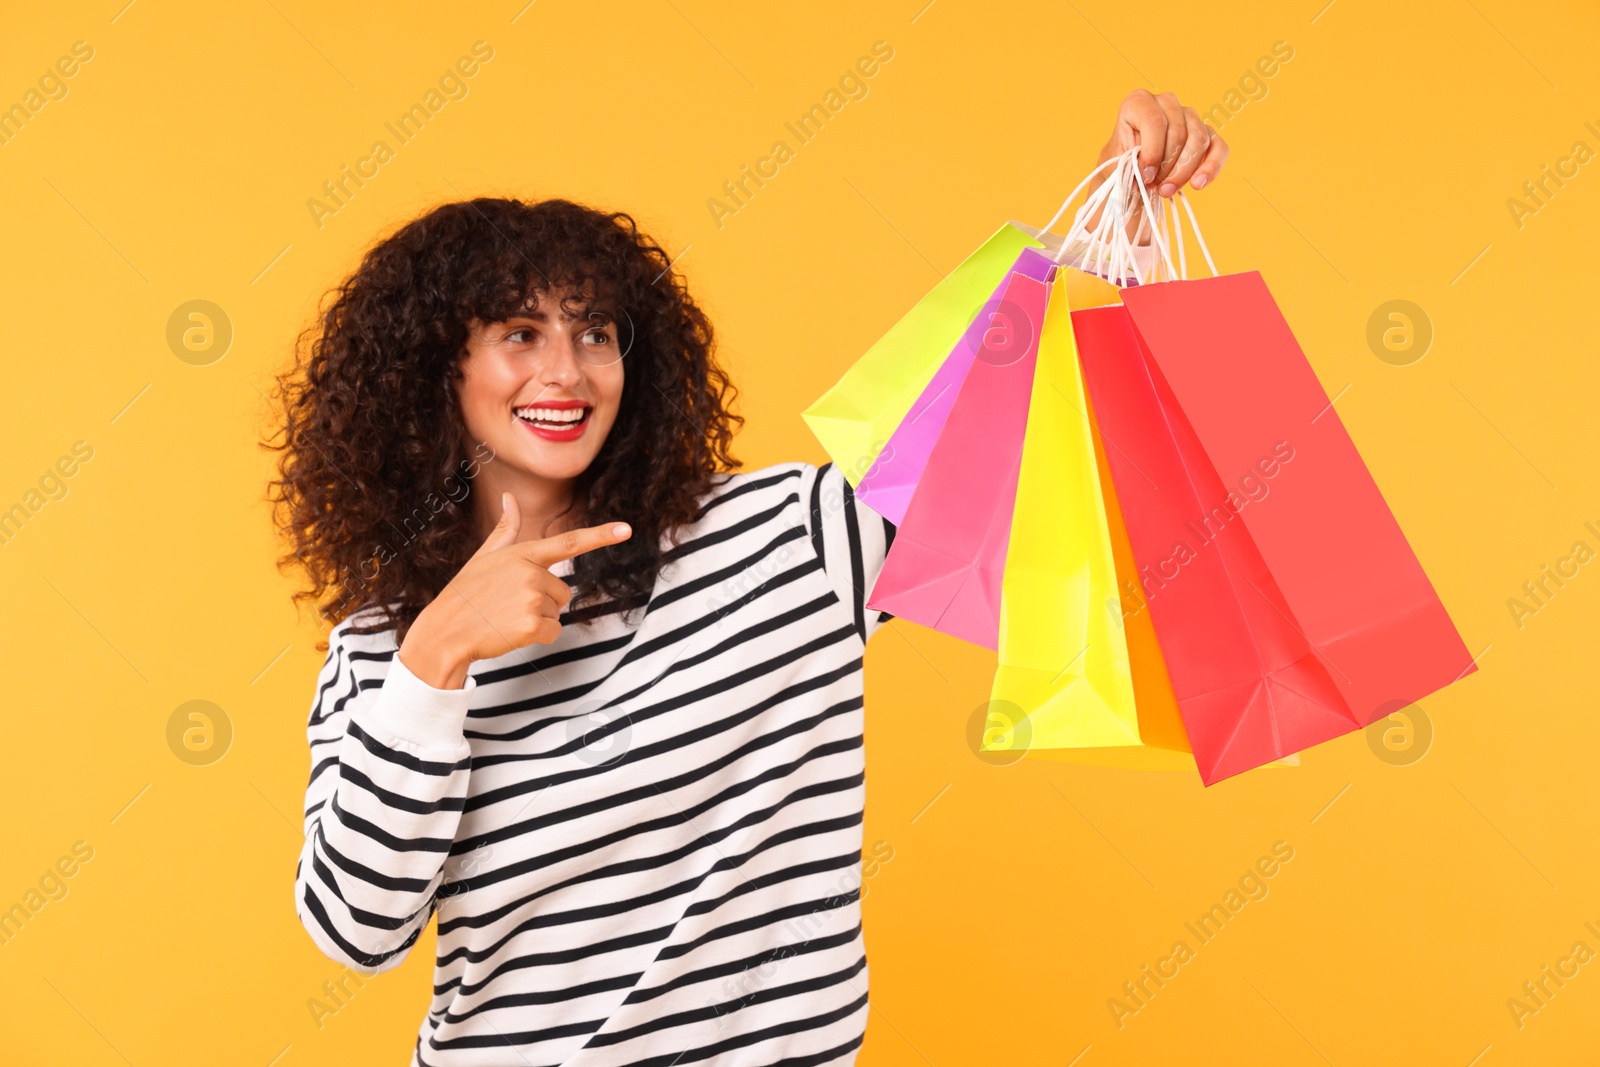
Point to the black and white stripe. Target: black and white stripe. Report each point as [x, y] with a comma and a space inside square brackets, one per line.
[642, 842]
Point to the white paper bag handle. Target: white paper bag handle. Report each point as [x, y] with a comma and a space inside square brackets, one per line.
[1110, 259]
[1062, 210]
[1113, 250]
[1180, 270]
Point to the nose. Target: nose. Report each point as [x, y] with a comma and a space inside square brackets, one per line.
[558, 363]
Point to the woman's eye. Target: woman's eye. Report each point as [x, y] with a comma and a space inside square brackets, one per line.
[523, 335]
[604, 338]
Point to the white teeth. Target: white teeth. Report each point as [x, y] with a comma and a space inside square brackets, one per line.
[563, 416]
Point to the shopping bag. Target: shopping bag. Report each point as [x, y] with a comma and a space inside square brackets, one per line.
[1347, 575]
[1288, 605]
[1249, 686]
[889, 483]
[854, 419]
[1081, 678]
[945, 567]
[1164, 741]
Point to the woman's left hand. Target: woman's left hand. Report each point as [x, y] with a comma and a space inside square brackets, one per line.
[1175, 146]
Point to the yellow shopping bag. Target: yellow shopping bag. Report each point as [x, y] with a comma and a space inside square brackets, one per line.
[1080, 676]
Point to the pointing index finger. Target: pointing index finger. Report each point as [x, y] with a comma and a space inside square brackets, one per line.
[551, 550]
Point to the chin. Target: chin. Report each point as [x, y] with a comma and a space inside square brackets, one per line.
[554, 470]
[553, 462]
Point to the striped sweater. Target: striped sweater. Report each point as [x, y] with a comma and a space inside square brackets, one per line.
[643, 841]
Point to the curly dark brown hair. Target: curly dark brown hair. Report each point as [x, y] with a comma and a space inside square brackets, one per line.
[374, 492]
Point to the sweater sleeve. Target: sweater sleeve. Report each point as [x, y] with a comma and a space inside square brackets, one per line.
[850, 538]
[389, 767]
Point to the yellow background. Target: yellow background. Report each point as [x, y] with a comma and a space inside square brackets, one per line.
[1019, 898]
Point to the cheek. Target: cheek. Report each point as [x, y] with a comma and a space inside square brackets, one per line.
[480, 412]
[469, 396]
[484, 388]
[608, 390]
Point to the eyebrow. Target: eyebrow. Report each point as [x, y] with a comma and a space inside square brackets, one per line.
[543, 316]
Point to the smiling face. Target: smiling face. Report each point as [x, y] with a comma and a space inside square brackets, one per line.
[542, 389]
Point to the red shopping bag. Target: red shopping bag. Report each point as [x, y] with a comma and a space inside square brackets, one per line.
[1355, 587]
[945, 567]
[1249, 687]
[1288, 605]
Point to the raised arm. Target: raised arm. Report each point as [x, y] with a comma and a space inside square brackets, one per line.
[850, 539]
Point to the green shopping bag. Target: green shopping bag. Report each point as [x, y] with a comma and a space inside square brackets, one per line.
[855, 418]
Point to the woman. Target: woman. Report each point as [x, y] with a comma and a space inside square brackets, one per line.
[593, 696]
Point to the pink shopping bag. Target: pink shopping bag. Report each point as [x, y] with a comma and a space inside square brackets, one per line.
[944, 570]
[888, 485]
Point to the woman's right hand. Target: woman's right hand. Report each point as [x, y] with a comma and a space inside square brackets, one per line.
[504, 598]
